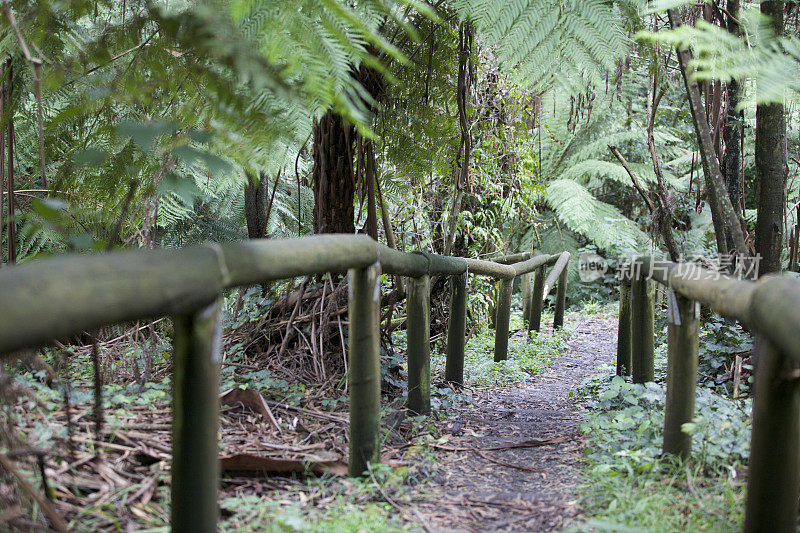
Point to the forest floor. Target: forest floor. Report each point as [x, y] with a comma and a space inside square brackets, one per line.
[496, 458]
[530, 482]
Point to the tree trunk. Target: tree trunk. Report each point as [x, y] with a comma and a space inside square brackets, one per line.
[771, 166]
[732, 132]
[256, 198]
[2, 169]
[6, 108]
[721, 208]
[334, 181]
[371, 175]
[11, 235]
[461, 176]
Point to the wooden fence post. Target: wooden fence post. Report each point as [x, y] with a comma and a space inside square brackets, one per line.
[561, 299]
[624, 329]
[525, 281]
[502, 319]
[456, 330]
[195, 461]
[537, 299]
[642, 336]
[773, 479]
[364, 371]
[419, 345]
[683, 334]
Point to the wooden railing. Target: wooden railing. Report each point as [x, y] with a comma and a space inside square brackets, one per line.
[65, 295]
[770, 308]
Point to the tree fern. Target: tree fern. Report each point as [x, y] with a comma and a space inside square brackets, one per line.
[569, 43]
[600, 222]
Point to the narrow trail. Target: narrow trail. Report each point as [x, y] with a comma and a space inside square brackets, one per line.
[475, 491]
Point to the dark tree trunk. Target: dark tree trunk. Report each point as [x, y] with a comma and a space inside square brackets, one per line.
[771, 166]
[371, 175]
[334, 181]
[256, 200]
[732, 133]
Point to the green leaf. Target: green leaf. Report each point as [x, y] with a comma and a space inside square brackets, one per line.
[689, 428]
[185, 188]
[633, 400]
[50, 209]
[90, 157]
[144, 135]
[202, 137]
[192, 156]
[609, 394]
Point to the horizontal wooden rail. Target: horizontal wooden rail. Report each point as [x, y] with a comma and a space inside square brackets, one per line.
[65, 295]
[52, 298]
[771, 308]
[529, 265]
[512, 258]
[562, 260]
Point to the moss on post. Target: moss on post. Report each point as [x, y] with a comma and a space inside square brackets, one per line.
[195, 463]
[456, 330]
[683, 334]
[502, 319]
[364, 372]
[419, 346]
[773, 479]
[624, 329]
[642, 337]
[561, 299]
[537, 299]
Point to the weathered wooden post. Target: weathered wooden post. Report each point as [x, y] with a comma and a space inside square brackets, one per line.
[773, 478]
[419, 345]
[195, 418]
[456, 330]
[683, 333]
[624, 328]
[501, 323]
[364, 372]
[537, 299]
[642, 335]
[561, 299]
[525, 282]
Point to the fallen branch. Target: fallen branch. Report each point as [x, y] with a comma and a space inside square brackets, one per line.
[288, 335]
[251, 399]
[318, 414]
[508, 465]
[56, 522]
[531, 443]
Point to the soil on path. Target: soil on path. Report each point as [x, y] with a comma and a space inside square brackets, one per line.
[476, 491]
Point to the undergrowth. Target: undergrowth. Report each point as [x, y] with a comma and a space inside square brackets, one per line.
[527, 355]
[320, 506]
[629, 486]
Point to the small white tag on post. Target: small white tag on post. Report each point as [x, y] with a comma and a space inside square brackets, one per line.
[674, 313]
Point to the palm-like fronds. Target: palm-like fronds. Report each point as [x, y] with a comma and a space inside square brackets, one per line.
[569, 43]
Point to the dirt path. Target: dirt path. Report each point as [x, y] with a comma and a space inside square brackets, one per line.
[475, 491]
